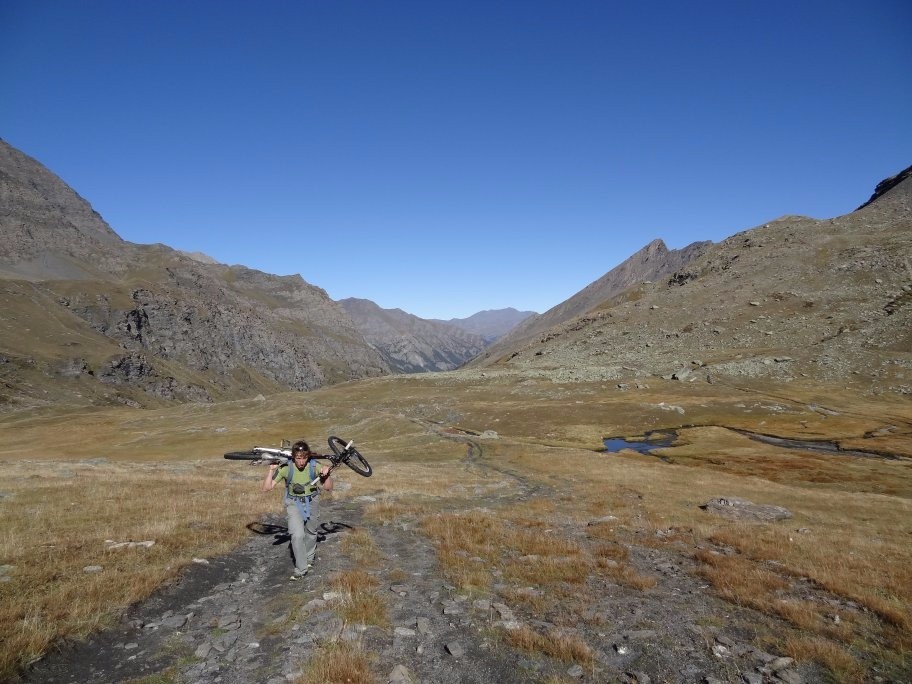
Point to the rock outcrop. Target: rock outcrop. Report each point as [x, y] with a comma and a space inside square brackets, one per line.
[74, 290]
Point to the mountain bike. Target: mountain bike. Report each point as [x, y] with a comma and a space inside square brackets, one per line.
[342, 453]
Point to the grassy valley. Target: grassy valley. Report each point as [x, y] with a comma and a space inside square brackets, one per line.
[509, 455]
[128, 370]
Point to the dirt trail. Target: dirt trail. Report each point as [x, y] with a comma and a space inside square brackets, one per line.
[234, 620]
[239, 619]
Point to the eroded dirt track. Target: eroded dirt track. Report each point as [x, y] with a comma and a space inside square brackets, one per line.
[240, 619]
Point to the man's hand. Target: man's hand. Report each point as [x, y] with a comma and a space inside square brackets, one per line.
[269, 481]
[324, 479]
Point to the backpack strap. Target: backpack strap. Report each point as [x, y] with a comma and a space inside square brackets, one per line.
[288, 477]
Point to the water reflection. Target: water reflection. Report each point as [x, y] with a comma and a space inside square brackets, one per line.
[654, 439]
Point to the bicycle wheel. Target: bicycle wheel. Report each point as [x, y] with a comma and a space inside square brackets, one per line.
[350, 457]
[358, 463]
[337, 445]
[243, 456]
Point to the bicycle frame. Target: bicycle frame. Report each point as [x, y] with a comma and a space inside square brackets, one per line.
[282, 456]
[342, 453]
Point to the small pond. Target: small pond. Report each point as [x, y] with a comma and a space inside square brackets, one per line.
[654, 439]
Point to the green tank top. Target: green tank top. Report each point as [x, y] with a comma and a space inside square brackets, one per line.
[298, 477]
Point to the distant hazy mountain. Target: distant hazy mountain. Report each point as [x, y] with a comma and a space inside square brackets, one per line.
[410, 344]
[490, 324]
[90, 318]
[795, 299]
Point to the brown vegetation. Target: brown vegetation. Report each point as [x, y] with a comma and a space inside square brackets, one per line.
[338, 663]
[362, 603]
[519, 505]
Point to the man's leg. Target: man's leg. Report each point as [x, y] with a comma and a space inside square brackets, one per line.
[310, 536]
[297, 528]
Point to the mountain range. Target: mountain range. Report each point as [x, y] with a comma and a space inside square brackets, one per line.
[410, 344]
[491, 324]
[794, 299]
[88, 318]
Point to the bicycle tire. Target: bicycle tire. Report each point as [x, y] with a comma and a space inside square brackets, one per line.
[350, 457]
[358, 463]
[243, 456]
[337, 444]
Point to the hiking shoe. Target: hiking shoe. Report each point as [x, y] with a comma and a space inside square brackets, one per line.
[298, 575]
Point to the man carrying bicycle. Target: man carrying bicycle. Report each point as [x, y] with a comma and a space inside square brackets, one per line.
[300, 508]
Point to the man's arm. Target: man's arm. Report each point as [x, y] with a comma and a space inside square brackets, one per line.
[326, 479]
[270, 482]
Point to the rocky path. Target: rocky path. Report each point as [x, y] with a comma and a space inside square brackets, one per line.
[239, 619]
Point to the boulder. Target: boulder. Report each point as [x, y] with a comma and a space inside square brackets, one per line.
[744, 510]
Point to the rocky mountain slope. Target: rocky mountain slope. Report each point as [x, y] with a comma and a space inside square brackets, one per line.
[654, 261]
[795, 298]
[410, 344]
[87, 317]
[491, 324]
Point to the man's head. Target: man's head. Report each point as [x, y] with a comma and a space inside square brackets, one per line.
[300, 451]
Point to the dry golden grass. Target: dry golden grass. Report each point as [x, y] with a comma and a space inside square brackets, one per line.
[547, 571]
[738, 454]
[338, 663]
[353, 581]
[535, 602]
[528, 549]
[627, 576]
[612, 561]
[747, 583]
[467, 574]
[737, 578]
[568, 648]
[423, 485]
[57, 520]
[541, 479]
[855, 547]
[362, 604]
[882, 583]
[361, 547]
[616, 552]
[826, 653]
[387, 511]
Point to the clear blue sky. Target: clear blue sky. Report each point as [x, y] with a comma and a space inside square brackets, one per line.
[449, 157]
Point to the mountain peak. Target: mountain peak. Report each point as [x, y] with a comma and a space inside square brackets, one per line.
[652, 261]
[46, 225]
[887, 184]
